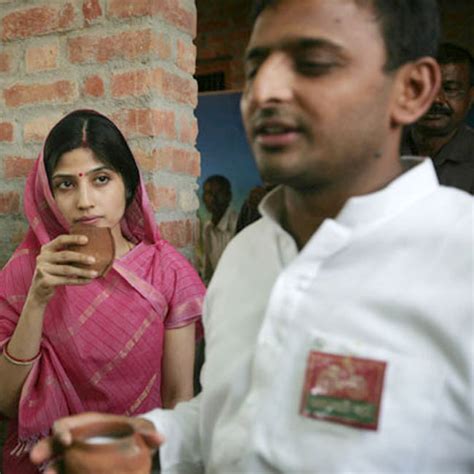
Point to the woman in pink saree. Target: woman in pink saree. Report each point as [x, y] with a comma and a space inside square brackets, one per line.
[72, 341]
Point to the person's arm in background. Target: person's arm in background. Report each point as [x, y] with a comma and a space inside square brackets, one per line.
[207, 267]
[178, 365]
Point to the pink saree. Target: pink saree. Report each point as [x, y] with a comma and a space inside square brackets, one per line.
[102, 343]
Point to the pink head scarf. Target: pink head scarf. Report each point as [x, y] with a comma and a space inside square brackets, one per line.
[102, 343]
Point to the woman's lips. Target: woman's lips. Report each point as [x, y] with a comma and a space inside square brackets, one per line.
[88, 220]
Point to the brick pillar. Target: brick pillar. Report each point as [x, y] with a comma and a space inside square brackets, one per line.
[132, 60]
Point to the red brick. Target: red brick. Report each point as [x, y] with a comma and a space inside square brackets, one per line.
[36, 129]
[145, 160]
[17, 167]
[129, 8]
[178, 233]
[60, 91]
[180, 89]
[93, 86]
[178, 160]
[188, 128]
[83, 48]
[9, 202]
[137, 83]
[42, 58]
[170, 10]
[37, 21]
[91, 10]
[162, 197]
[178, 16]
[6, 132]
[5, 63]
[146, 122]
[186, 56]
[125, 45]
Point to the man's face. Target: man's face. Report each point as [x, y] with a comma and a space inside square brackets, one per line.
[215, 197]
[451, 105]
[315, 105]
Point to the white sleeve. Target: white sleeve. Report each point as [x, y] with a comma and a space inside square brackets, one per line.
[181, 450]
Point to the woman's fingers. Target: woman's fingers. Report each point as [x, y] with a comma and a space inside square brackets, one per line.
[67, 272]
[68, 256]
[64, 240]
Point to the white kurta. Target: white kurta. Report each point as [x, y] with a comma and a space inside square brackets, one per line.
[390, 279]
[215, 240]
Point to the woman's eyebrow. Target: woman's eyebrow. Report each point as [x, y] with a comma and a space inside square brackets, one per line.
[73, 175]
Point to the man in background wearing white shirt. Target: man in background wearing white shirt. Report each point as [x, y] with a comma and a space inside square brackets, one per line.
[220, 228]
[339, 327]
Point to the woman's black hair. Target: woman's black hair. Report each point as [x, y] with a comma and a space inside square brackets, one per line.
[89, 129]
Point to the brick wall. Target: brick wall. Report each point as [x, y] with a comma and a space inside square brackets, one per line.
[223, 32]
[130, 59]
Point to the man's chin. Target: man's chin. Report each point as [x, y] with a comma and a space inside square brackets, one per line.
[439, 125]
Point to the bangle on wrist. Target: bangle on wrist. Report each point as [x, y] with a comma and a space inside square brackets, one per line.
[16, 361]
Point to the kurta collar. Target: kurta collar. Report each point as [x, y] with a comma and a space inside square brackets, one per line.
[419, 180]
[225, 223]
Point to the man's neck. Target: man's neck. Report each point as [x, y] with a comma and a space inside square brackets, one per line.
[430, 145]
[305, 211]
[217, 216]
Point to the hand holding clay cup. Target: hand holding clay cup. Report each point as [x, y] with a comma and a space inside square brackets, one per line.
[98, 443]
[105, 447]
[100, 245]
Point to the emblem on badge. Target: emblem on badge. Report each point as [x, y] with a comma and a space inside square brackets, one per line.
[343, 389]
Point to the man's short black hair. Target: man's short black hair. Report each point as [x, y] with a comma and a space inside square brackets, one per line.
[410, 28]
[449, 53]
[222, 181]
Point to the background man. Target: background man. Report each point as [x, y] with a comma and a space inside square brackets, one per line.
[442, 132]
[217, 232]
[339, 325]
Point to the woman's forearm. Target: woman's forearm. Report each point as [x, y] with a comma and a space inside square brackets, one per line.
[23, 345]
[178, 366]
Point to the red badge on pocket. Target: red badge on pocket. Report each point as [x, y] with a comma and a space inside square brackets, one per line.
[343, 389]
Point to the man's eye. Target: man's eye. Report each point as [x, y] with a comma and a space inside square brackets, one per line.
[250, 71]
[313, 68]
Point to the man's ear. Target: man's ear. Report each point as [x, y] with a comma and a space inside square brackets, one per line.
[417, 84]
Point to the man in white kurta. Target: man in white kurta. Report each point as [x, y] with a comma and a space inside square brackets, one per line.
[390, 279]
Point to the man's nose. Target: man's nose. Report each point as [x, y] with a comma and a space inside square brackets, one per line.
[273, 82]
[440, 96]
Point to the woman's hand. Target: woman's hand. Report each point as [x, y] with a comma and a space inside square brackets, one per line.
[46, 449]
[56, 266]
